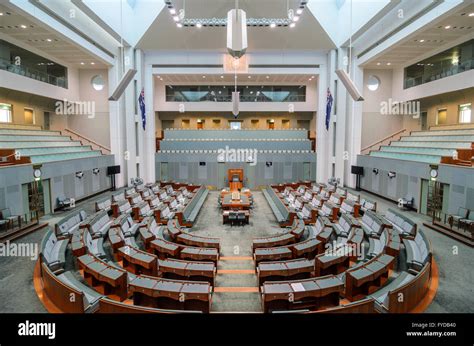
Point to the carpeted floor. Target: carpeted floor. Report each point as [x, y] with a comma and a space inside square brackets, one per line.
[236, 287]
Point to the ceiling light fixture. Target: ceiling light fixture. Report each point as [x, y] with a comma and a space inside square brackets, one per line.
[471, 14]
[82, 63]
[389, 63]
[268, 77]
[296, 18]
[203, 76]
[222, 77]
[199, 25]
[250, 77]
[421, 41]
[378, 64]
[273, 25]
[23, 26]
[447, 27]
[172, 10]
[292, 25]
[1, 13]
[176, 18]
[92, 63]
[299, 11]
[49, 40]
[179, 25]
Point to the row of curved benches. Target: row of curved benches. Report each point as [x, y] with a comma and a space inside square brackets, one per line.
[387, 236]
[86, 235]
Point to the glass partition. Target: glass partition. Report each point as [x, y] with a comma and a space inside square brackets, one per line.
[223, 93]
[455, 60]
[25, 63]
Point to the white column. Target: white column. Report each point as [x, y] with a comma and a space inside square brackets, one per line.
[149, 138]
[354, 125]
[131, 119]
[117, 145]
[323, 143]
[340, 104]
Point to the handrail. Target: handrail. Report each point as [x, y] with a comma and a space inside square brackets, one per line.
[103, 148]
[383, 140]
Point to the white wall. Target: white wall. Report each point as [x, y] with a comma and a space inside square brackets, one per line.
[441, 86]
[160, 103]
[96, 127]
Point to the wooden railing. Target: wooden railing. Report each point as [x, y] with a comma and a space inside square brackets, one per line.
[379, 143]
[86, 141]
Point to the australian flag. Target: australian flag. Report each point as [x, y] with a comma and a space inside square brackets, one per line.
[141, 102]
[329, 101]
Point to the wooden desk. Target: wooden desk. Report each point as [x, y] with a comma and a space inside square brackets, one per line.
[229, 203]
[331, 263]
[163, 248]
[366, 279]
[187, 270]
[137, 261]
[173, 229]
[277, 240]
[199, 254]
[104, 278]
[194, 240]
[170, 294]
[272, 254]
[225, 216]
[313, 294]
[299, 229]
[285, 270]
[115, 238]
[308, 248]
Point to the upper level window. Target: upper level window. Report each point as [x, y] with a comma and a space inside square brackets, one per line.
[20, 61]
[465, 113]
[5, 113]
[453, 61]
[235, 125]
[223, 93]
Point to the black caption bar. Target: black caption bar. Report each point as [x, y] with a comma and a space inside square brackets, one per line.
[221, 329]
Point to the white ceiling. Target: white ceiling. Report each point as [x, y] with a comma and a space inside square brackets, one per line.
[434, 35]
[37, 35]
[164, 34]
[228, 79]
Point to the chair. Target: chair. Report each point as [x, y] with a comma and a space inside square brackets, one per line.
[232, 217]
[7, 219]
[64, 202]
[468, 222]
[241, 218]
[455, 218]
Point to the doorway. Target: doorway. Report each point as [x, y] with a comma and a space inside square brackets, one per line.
[442, 117]
[424, 121]
[307, 171]
[271, 124]
[434, 199]
[164, 171]
[29, 116]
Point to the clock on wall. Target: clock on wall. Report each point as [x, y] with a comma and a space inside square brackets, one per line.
[434, 173]
[37, 173]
